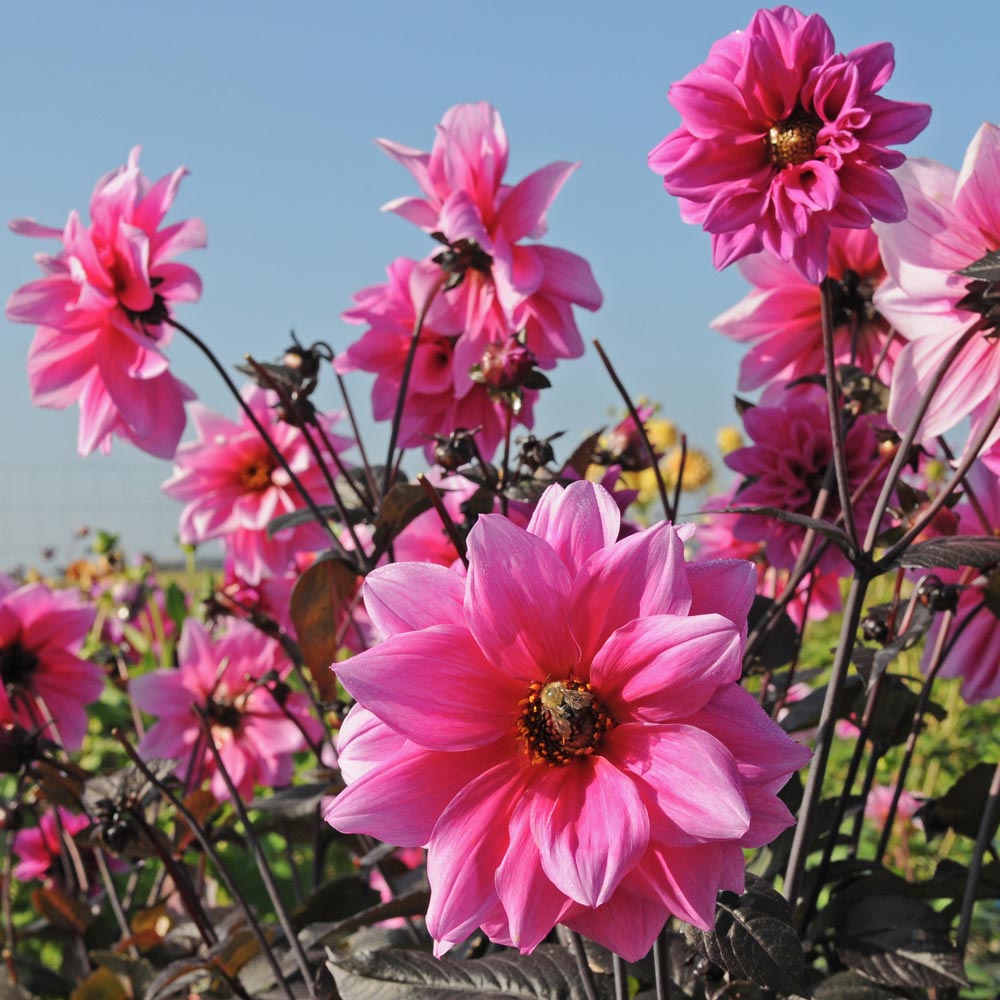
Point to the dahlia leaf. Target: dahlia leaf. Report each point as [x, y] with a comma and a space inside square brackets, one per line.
[987, 268]
[754, 939]
[896, 940]
[824, 528]
[548, 973]
[952, 552]
[850, 986]
[779, 644]
[961, 807]
[319, 594]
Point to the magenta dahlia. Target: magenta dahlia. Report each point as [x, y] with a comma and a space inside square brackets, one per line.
[783, 139]
[579, 751]
[100, 312]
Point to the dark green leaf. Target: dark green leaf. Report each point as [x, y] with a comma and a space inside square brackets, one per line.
[952, 552]
[401, 505]
[548, 973]
[851, 986]
[295, 518]
[896, 940]
[537, 380]
[805, 714]
[961, 807]
[987, 268]
[872, 662]
[754, 939]
[176, 604]
[583, 455]
[781, 642]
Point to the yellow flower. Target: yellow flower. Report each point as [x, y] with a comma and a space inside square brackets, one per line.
[728, 439]
[697, 469]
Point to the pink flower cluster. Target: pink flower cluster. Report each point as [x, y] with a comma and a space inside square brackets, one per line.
[505, 287]
[580, 752]
[101, 308]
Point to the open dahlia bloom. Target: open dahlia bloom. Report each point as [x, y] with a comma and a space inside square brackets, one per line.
[233, 486]
[45, 685]
[953, 220]
[440, 396]
[508, 285]
[100, 312]
[784, 139]
[231, 678]
[785, 467]
[781, 319]
[579, 752]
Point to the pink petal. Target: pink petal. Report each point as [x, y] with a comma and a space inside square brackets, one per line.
[532, 903]
[627, 924]
[722, 586]
[407, 597]
[642, 575]
[523, 210]
[569, 276]
[464, 701]
[516, 601]
[692, 776]
[590, 825]
[664, 667]
[576, 521]
[466, 849]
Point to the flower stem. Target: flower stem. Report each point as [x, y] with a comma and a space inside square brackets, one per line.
[266, 875]
[583, 967]
[446, 521]
[397, 417]
[668, 512]
[983, 838]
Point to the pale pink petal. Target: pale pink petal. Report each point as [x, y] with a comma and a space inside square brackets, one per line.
[406, 597]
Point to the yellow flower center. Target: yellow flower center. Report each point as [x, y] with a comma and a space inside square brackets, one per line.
[256, 476]
[793, 141]
[561, 720]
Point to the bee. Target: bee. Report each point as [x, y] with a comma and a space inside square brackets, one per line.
[568, 711]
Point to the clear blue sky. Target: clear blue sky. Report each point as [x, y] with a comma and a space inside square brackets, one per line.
[274, 110]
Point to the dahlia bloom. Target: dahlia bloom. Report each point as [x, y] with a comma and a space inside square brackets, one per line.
[233, 487]
[580, 752]
[100, 312]
[228, 678]
[975, 655]
[505, 286]
[781, 319]
[784, 139]
[785, 467]
[441, 396]
[43, 677]
[39, 847]
[953, 221]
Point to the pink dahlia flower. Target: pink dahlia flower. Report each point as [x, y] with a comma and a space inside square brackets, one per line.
[508, 285]
[785, 467]
[579, 752]
[43, 677]
[234, 487]
[784, 139]
[40, 847]
[256, 729]
[781, 318]
[100, 312]
[441, 395]
[953, 221]
[975, 655]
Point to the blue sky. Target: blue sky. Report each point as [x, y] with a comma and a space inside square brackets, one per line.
[274, 111]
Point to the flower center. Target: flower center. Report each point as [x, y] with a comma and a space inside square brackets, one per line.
[223, 714]
[17, 664]
[793, 141]
[562, 720]
[255, 476]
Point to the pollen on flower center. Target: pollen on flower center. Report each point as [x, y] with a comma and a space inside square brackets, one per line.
[793, 141]
[561, 720]
[256, 475]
